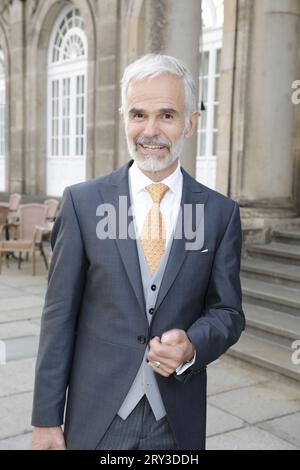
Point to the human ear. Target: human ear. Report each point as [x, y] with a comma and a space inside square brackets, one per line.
[192, 124]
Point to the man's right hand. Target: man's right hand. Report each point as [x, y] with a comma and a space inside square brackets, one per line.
[47, 439]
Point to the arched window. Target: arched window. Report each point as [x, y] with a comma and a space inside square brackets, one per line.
[2, 122]
[210, 50]
[67, 77]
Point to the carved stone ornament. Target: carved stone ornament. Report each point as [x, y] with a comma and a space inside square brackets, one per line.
[4, 10]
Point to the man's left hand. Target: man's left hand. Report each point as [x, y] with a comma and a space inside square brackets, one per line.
[170, 351]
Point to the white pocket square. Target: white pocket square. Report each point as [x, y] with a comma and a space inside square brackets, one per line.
[203, 251]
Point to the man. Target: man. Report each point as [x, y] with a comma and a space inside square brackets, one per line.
[132, 318]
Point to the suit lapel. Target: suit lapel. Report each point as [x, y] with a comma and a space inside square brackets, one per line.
[119, 186]
[192, 193]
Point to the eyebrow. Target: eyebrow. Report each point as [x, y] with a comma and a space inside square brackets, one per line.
[136, 111]
[161, 111]
[168, 111]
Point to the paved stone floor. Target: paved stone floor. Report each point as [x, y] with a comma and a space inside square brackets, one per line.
[248, 407]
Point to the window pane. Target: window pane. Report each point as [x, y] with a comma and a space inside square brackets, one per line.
[203, 120]
[202, 137]
[204, 89]
[217, 88]
[80, 120]
[216, 116]
[66, 117]
[204, 65]
[54, 116]
[72, 46]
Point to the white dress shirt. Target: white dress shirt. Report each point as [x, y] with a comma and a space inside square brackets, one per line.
[142, 201]
[169, 206]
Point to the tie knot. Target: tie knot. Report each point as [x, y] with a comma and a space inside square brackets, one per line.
[157, 191]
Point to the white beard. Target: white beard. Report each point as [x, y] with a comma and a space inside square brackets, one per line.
[153, 163]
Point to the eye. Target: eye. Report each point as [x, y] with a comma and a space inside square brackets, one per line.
[168, 116]
[138, 116]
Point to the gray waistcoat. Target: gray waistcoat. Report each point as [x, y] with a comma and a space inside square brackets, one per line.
[145, 382]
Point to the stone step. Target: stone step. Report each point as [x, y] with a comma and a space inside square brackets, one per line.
[268, 270]
[20, 348]
[282, 252]
[264, 353]
[280, 298]
[287, 236]
[275, 326]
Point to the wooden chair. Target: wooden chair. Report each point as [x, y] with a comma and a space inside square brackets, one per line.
[13, 207]
[14, 201]
[52, 205]
[3, 219]
[29, 237]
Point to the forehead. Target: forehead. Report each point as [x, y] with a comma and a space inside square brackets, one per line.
[156, 92]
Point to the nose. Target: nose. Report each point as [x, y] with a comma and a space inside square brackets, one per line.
[151, 128]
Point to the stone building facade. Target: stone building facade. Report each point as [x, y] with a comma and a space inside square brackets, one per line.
[258, 140]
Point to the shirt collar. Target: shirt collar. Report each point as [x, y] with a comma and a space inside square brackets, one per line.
[138, 180]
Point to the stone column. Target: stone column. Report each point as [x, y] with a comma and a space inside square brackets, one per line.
[4, 13]
[131, 46]
[265, 177]
[181, 39]
[107, 86]
[17, 94]
[229, 64]
[170, 27]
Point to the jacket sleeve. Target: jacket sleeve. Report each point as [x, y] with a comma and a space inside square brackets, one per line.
[222, 321]
[66, 282]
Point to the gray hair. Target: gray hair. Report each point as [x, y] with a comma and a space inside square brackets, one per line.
[153, 65]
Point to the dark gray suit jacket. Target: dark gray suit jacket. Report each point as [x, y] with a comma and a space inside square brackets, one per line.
[94, 327]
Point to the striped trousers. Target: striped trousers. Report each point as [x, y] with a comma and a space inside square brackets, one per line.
[140, 431]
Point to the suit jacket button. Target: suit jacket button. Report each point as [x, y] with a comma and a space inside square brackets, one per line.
[142, 339]
[153, 287]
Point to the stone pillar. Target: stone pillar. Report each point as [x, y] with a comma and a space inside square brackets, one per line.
[17, 94]
[107, 86]
[181, 30]
[170, 27]
[131, 46]
[296, 191]
[265, 176]
[5, 49]
[40, 19]
[229, 64]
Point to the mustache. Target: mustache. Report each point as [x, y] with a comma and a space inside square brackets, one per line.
[153, 141]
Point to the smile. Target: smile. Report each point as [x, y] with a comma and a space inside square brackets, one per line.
[153, 147]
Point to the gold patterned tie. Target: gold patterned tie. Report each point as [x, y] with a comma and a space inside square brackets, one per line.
[153, 234]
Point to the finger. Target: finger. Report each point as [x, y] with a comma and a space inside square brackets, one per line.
[169, 355]
[159, 371]
[173, 337]
[163, 350]
[154, 342]
[169, 364]
[163, 369]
